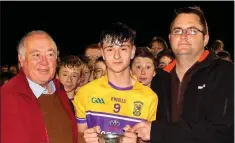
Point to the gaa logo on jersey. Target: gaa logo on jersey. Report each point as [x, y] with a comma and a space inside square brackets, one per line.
[97, 100]
[114, 123]
[137, 108]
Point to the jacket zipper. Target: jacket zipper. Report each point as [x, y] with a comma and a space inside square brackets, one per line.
[179, 93]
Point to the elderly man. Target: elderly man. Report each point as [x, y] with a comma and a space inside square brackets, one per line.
[35, 108]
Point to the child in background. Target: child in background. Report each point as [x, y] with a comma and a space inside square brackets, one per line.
[70, 71]
[99, 68]
[143, 65]
[87, 68]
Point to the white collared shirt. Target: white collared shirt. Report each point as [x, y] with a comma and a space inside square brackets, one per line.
[38, 90]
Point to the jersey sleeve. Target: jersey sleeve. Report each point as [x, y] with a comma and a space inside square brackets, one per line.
[153, 108]
[79, 106]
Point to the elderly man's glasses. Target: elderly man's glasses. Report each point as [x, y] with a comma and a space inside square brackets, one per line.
[188, 31]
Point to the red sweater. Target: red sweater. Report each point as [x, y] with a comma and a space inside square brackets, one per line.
[21, 118]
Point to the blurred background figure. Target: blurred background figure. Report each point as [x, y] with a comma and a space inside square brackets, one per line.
[164, 58]
[93, 52]
[13, 69]
[5, 77]
[99, 68]
[224, 55]
[158, 44]
[87, 68]
[217, 46]
[143, 65]
[4, 68]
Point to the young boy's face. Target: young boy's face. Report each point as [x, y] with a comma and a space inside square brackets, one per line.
[100, 69]
[69, 77]
[117, 56]
[157, 47]
[164, 61]
[143, 68]
[86, 74]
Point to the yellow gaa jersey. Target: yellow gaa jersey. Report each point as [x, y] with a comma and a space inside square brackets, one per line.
[112, 108]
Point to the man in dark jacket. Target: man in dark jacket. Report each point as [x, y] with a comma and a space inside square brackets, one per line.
[35, 108]
[199, 107]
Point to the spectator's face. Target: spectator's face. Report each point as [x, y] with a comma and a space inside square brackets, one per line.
[13, 69]
[185, 44]
[39, 64]
[157, 47]
[117, 57]
[86, 73]
[69, 77]
[4, 69]
[164, 61]
[100, 69]
[144, 69]
[93, 54]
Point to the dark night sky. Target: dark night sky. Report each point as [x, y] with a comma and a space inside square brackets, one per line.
[73, 25]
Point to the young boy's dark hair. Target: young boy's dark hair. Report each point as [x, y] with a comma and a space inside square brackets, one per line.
[144, 52]
[70, 61]
[165, 52]
[100, 59]
[117, 33]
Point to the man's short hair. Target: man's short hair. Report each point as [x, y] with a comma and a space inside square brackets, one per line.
[117, 33]
[192, 10]
[21, 46]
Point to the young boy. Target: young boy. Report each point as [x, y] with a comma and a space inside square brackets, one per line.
[99, 68]
[70, 70]
[87, 68]
[143, 65]
[108, 104]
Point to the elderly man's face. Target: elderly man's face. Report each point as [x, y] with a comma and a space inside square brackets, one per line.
[39, 64]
